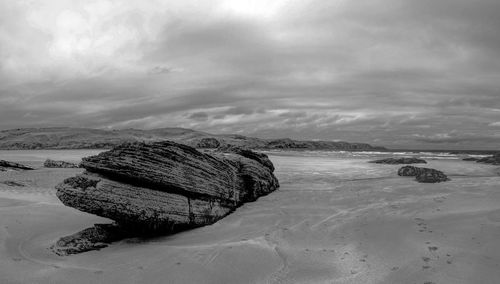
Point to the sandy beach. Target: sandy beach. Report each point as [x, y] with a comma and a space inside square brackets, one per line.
[335, 219]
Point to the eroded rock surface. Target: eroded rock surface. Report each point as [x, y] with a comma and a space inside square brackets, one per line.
[164, 187]
[397, 161]
[424, 175]
[58, 164]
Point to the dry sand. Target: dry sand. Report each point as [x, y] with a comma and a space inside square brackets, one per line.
[334, 220]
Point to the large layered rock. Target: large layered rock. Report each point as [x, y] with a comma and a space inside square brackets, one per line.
[6, 165]
[424, 175]
[398, 161]
[164, 187]
[58, 164]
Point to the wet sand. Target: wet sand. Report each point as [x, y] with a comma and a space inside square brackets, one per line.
[334, 220]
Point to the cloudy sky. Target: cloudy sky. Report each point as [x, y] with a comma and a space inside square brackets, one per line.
[398, 73]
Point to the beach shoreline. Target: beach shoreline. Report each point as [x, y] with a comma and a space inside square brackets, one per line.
[335, 219]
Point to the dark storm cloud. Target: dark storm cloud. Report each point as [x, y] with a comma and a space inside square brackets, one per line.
[393, 72]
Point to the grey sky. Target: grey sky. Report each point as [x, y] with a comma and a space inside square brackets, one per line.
[398, 73]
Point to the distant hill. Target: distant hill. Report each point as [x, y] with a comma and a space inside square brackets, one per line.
[87, 138]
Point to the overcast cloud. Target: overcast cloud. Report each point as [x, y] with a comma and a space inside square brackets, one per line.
[398, 73]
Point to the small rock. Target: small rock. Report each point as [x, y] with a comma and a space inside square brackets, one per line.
[423, 175]
[93, 238]
[494, 159]
[397, 161]
[12, 183]
[6, 165]
[58, 164]
[471, 159]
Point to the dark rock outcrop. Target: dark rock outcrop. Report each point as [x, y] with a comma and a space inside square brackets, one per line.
[6, 165]
[164, 187]
[398, 161]
[208, 142]
[58, 164]
[494, 159]
[93, 238]
[471, 159]
[12, 183]
[424, 175]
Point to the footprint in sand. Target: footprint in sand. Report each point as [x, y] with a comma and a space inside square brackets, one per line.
[426, 260]
[433, 248]
[449, 260]
[423, 227]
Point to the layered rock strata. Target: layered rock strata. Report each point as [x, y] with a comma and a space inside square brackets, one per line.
[163, 187]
